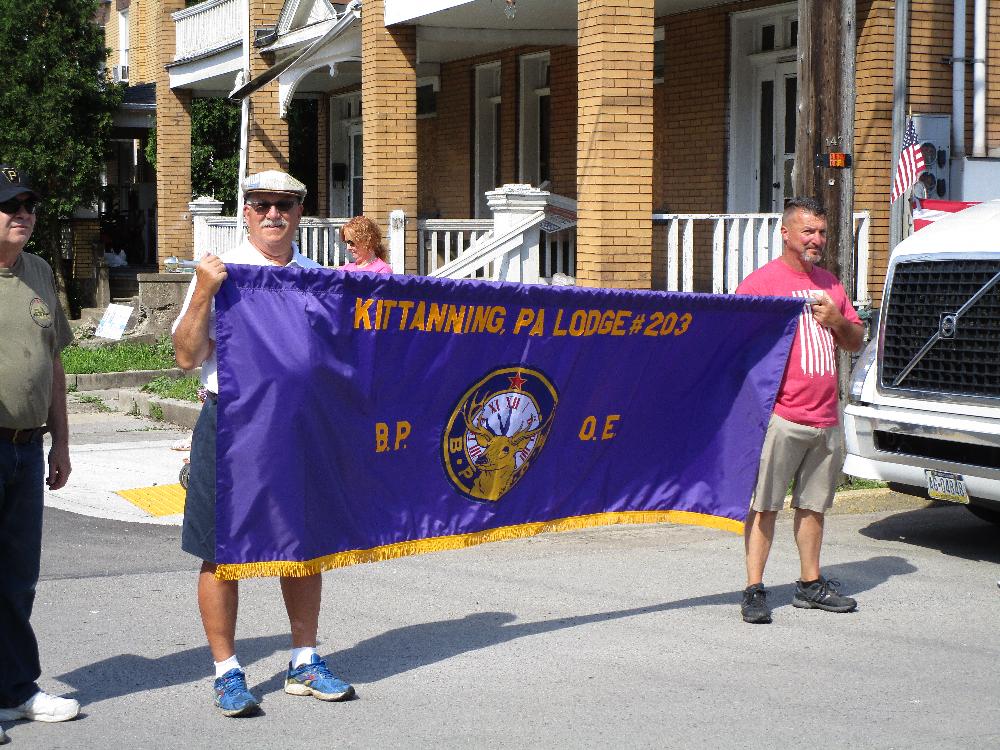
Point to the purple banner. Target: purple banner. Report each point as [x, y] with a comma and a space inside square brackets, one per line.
[364, 417]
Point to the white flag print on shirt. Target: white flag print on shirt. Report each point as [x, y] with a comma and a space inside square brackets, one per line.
[816, 347]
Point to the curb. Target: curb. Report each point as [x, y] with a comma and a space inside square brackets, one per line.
[174, 411]
[104, 381]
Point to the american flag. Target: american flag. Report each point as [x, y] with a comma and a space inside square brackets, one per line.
[910, 165]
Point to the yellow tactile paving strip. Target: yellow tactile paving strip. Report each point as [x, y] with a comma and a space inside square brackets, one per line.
[162, 500]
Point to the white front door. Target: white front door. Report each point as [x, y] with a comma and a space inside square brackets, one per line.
[776, 105]
[762, 108]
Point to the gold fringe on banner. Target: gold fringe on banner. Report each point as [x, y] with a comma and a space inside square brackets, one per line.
[236, 571]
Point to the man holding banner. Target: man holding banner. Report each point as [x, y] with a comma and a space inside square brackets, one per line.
[804, 441]
[272, 210]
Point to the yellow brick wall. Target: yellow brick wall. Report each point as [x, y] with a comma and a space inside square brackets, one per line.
[173, 145]
[389, 123]
[141, 23]
[86, 233]
[615, 137]
[268, 137]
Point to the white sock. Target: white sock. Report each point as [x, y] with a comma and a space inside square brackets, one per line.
[221, 667]
[302, 655]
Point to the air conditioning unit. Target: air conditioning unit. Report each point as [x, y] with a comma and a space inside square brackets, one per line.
[120, 73]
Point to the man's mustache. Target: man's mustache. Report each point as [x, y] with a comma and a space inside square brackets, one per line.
[277, 223]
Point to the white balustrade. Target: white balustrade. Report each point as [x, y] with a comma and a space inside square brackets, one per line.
[441, 241]
[207, 26]
[741, 243]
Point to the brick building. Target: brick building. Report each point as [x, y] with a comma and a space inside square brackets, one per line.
[631, 107]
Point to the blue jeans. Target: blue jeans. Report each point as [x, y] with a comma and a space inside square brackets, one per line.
[22, 475]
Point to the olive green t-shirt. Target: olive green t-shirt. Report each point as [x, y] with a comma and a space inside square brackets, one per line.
[33, 330]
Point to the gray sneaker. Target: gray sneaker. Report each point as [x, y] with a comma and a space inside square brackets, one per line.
[754, 607]
[3, 736]
[822, 594]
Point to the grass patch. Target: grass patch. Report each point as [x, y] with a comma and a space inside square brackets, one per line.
[94, 401]
[185, 389]
[120, 357]
[857, 483]
[156, 412]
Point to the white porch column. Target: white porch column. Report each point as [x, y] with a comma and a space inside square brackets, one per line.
[511, 205]
[201, 209]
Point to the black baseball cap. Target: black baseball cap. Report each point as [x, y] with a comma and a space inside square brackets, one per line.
[13, 182]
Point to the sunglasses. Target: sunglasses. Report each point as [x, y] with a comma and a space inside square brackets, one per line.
[262, 207]
[13, 205]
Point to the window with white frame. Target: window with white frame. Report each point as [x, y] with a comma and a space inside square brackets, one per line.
[121, 73]
[535, 116]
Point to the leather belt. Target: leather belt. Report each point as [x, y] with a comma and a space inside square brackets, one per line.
[22, 436]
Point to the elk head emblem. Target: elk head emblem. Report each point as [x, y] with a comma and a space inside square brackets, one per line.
[497, 463]
[496, 431]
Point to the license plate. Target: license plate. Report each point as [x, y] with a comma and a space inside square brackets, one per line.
[943, 485]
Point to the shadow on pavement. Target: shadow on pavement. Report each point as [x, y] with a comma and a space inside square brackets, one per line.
[414, 646]
[949, 528]
[129, 673]
[403, 649]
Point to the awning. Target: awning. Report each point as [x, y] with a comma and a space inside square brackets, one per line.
[352, 14]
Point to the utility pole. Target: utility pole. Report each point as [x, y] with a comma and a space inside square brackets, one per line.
[824, 134]
[824, 137]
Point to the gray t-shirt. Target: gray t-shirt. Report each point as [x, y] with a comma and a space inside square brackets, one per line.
[33, 330]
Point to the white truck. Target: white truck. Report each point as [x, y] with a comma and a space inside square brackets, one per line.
[923, 411]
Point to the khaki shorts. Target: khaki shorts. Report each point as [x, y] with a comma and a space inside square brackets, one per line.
[811, 456]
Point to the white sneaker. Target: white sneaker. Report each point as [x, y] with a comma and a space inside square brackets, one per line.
[43, 707]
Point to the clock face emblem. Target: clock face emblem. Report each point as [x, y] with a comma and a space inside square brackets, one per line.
[497, 430]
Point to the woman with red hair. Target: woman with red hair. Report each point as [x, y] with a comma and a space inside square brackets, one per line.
[364, 240]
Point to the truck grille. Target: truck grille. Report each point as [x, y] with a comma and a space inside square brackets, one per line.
[922, 292]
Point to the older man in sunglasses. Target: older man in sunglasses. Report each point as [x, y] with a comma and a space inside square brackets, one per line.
[272, 211]
[32, 402]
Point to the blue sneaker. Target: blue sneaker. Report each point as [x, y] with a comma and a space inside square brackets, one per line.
[232, 696]
[316, 679]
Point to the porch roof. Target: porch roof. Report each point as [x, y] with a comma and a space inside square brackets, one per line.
[489, 14]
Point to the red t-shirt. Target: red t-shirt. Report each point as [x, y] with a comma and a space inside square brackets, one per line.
[808, 392]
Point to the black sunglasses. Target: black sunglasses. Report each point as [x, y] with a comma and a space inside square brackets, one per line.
[13, 205]
[262, 207]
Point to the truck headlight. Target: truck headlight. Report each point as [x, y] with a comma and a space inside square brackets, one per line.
[860, 371]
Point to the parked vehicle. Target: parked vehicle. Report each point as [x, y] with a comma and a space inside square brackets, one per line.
[923, 409]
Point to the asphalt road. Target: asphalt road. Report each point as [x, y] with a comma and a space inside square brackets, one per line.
[621, 636]
[626, 637]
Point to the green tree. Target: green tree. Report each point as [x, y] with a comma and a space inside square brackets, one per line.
[56, 107]
[215, 149]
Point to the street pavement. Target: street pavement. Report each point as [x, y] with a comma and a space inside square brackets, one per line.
[625, 636]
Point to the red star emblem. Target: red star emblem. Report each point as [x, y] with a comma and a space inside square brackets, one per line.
[517, 381]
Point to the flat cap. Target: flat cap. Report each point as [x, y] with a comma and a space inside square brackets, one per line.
[273, 181]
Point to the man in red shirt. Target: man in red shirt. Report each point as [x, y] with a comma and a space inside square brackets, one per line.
[804, 441]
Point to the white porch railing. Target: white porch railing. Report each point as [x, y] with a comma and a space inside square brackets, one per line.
[441, 241]
[318, 239]
[741, 243]
[206, 26]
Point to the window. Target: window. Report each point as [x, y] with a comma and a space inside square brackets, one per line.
[121, 72]
[535, 118]
[659, 54]
[427, 89]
